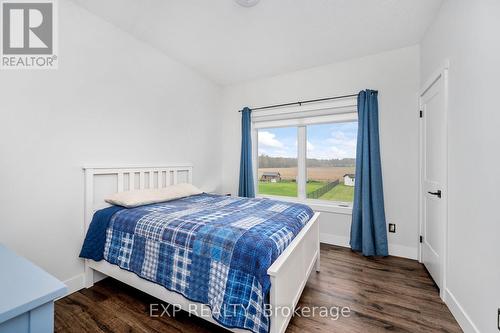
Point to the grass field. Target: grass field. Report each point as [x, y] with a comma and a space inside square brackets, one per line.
[318, 178]
[340, 192]
[289, 189]
[286, 188]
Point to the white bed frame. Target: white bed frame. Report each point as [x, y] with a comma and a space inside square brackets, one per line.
[289, 273]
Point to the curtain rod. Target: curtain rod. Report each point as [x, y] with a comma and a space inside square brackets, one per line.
[300, 102]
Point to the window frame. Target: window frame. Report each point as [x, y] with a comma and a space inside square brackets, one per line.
[337, 111]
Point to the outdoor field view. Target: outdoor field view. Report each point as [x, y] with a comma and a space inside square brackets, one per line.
[331, 151]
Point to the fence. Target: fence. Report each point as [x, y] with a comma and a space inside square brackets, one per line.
[322, 190]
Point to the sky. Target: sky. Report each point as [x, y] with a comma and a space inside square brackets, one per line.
[324, 141]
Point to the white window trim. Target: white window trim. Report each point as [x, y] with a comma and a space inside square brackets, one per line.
[336, 111]
[317, 205]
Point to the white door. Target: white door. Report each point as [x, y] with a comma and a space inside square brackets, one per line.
[433, 178]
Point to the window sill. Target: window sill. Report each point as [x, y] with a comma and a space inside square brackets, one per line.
[316, 205]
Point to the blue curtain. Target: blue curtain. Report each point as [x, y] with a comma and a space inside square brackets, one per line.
[246, 188]
[368, 228]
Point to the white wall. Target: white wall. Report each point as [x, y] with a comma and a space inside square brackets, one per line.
[395, 75]
[112, 100]
[467, 32]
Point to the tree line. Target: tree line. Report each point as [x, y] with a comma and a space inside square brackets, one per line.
[266, 161]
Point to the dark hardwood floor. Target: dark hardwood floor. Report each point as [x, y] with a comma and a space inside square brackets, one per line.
[383, 294]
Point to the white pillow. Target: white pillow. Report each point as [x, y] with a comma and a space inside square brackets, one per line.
[137, 198]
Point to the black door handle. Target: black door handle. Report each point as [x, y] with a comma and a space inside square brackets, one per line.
[437, 193]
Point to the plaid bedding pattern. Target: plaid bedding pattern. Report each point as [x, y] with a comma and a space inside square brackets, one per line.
[212, 249]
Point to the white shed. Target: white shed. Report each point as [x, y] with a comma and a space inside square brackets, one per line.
[349, 179]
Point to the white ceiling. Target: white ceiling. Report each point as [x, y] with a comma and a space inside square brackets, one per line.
[229, 43]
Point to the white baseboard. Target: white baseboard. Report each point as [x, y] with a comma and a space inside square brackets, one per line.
[459, 313]
[77, 282]
[403, 251]
[394, 249]
[334, 240]
[74, 284]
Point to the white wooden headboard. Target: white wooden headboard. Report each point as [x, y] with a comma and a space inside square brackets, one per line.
[101, 181]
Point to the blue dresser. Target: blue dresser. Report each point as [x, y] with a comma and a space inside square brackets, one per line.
[27, 295]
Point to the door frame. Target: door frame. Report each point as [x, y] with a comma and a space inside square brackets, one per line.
[441, 73]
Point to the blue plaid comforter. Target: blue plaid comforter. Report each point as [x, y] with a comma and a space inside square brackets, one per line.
[211, 249]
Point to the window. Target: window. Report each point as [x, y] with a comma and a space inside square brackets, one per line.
[277, 173]
[307, 155]
[331, 159]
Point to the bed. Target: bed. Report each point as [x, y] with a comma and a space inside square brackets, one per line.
[225, 250]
